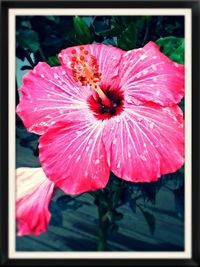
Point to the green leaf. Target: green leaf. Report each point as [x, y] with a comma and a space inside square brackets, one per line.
[53, 61]
[101, 25]
[110, 41]
[116, 27]
[54, 19]
[56, 215]
[127, 39]
[28, 39]
[63, 201]
[173, 47]
[82, 31]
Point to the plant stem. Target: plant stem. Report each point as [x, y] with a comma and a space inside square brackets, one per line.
[107, 201]
[103, 228]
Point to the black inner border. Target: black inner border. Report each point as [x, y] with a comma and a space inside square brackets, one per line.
[194, 5]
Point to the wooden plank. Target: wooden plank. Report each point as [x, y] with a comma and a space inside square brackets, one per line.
[79, 230]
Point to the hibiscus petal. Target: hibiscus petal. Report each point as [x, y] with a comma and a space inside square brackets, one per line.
[73, 156]
[148, 75]
[50, 95]
[34, 192]
[108, 58]
[145, 143]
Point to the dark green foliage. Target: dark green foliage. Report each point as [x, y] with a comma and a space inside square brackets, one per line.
[63, 201]
[173, 47]
[53, 61]
[127, 39]
[82, 31]
[56, 215]
[28, 38]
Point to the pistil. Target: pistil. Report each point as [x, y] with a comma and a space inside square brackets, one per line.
[102, 95]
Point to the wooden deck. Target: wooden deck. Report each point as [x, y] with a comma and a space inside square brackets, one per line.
[78, 232]
[79, 229]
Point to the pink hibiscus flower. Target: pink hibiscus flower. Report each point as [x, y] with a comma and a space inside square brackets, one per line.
[105, 110]
[34, 192]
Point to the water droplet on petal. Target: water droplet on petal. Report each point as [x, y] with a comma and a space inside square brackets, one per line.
[56, 76]
[114, 141]
[48, 117]
[42, 75]
[143, 157]
[97, 161]
[154, 67]
[143, 57]
[87, 148]
[138, 75]
[118, 165]
[78, 158]
[129, 155]
[86, 174]
[151, 125]
[70, 156]
[145, 72]
[136, 102]
[129, 101]
[157, 93]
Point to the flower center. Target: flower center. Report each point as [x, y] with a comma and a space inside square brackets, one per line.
[86, 71]
[102, 111]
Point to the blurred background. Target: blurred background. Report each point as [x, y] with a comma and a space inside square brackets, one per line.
[150, 217]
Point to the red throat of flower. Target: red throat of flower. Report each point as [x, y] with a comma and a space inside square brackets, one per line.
[86, 71]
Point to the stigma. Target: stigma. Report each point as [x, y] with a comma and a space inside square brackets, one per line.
[85, 70]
